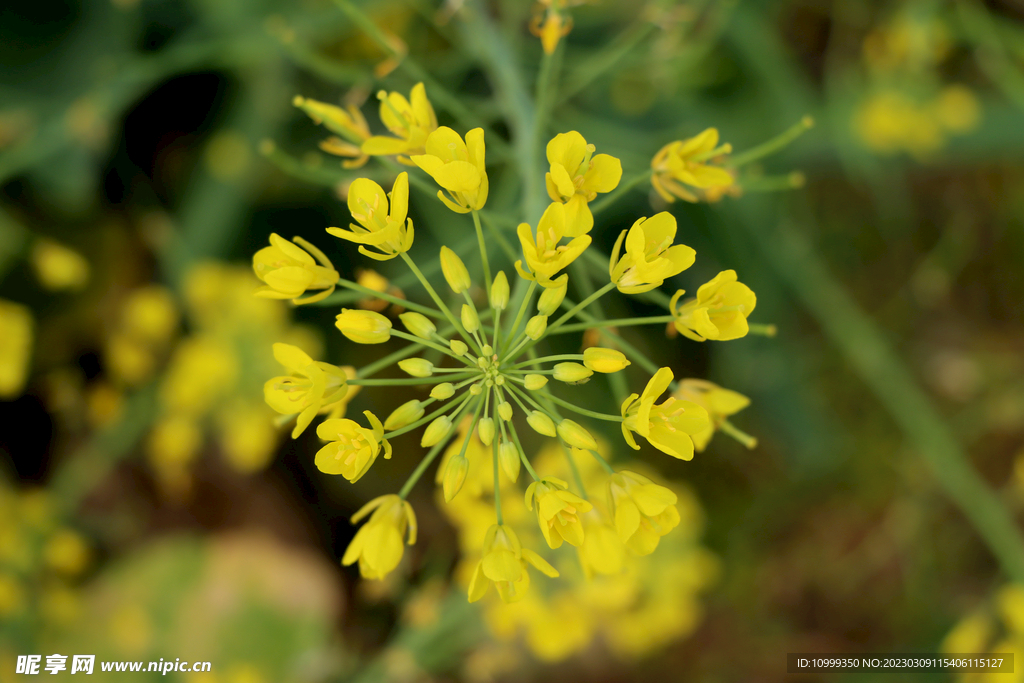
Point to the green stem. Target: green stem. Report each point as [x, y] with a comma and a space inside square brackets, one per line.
[583, 411]
[422, 467]
[437, 300]
[483, 253]
[497, 482]
[604, 463]
[738, 434]
[437, 347]
[417, 381]
[519, 316]
[572, 311]
[773, 145]
[575, 472]
[398, 301]
[620, 191]
[545, 359]
[620, 322]
[522, 453]
[434, 415]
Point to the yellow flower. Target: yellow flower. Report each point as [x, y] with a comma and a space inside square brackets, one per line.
[458, 167]
[558, 511]
[15, 347]
[890, 121]
[669, 426]
[504, 564]
[719, 312]
[602, 552]
[363, 327]
[348, 122]
[643, 511]
[412, 120]
[575, 178]
[378, 544]
[352, 449]
[288, 271]
[543, 253]
[650, 257]
[315, 387]
[720, 404]
[58, 267]
[382, 226]
[683, 162]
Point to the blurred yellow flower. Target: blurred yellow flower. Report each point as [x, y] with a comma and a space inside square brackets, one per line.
[643, 511]
[150, 314]
[684, 162]
[650, 256]
[719, 311]
[348, 122]
[15, 347]
[378, 544]
[720, 404]
[66, 552]
[575, 177]
[58, 267]
[288, 271]
[668, 426]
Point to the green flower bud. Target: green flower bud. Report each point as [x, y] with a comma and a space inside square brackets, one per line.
[454, 271]
[535, 382]
[499, 292]
[572, 373]
[363, 327]
[418, 324]
[604, 360]
[541, 423]
[435, 431]
[575, 435]
[454, 477]
[442, 392]
[476, 389]
[536, 326]
[551, 298]
[470, 320]
[486, 430]
[417, 367]
[405, 414]
[508, 458]
[487, 350]
[458, 347]
[505, 410]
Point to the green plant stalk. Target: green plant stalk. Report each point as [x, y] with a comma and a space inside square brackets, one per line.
[864, 346]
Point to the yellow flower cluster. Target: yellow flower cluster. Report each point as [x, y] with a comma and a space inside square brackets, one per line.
[487, 393]
[996, 627]
[40, 560]
[214, 374]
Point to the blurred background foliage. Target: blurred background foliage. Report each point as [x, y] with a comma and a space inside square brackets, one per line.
[151, 509]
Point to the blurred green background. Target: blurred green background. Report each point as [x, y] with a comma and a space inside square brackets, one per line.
[150, 509]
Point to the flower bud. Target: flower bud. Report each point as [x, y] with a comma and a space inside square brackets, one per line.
[418, 324]
[572, 373]
[536, 326]
[454, 271]
[487, 350]
[600, 359]
[442, 392]
[486, 430]
[535, 382]
[551, 298]
[508, 458]
[505, 410]
[405, 414]
[575, 435]
[417, 367]
[435, 431]
[363, 327]
[470, 320]
[454, 477]
[476, 389]
[499, 292]
[459, 348]
[541, 423]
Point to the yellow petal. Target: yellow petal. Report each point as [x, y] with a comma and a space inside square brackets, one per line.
[604, 174]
